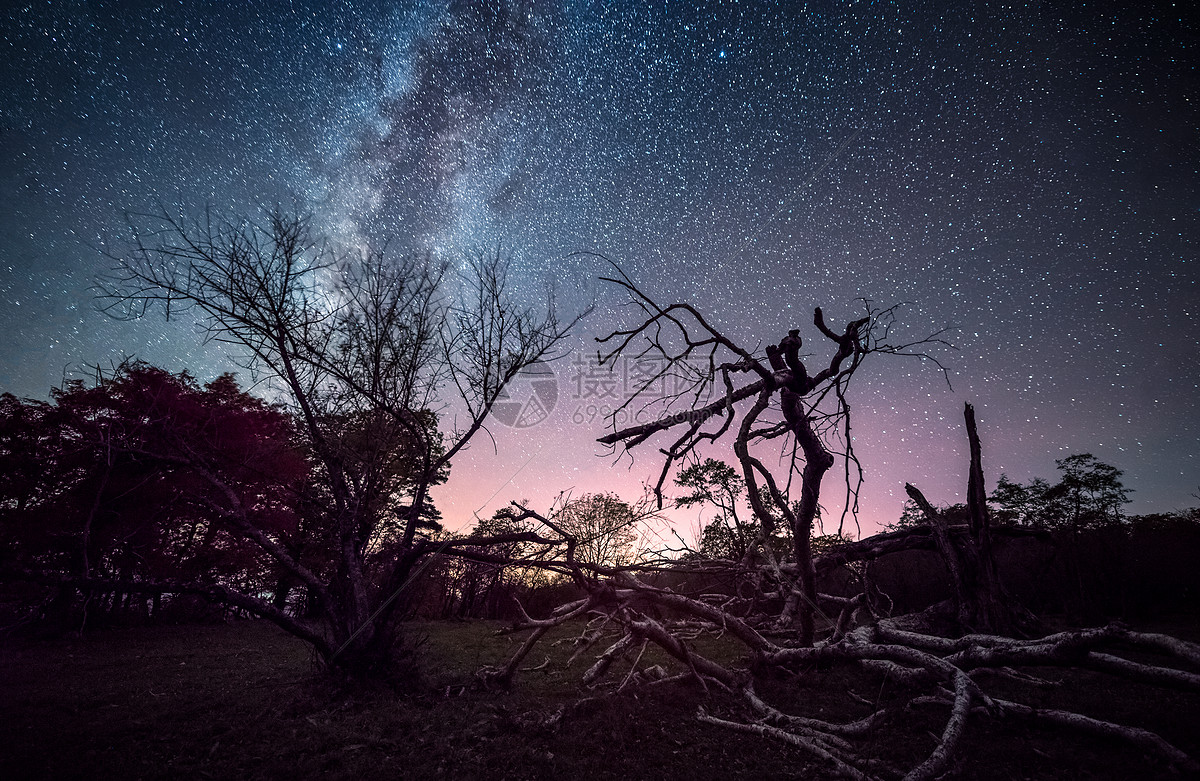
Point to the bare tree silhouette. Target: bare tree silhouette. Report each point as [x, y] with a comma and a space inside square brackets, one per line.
[349, 341]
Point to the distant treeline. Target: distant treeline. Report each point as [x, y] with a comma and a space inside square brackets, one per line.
[1139, 567]
[112, 484]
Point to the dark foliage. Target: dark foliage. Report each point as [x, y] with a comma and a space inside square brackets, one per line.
[132, 480]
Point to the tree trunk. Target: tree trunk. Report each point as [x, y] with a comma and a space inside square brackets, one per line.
[817, 461]
[992, 610]
[283, 588]
[981, 604]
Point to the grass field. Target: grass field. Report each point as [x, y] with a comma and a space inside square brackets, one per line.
[241, 701]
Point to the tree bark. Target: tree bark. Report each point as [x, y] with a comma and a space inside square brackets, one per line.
[817, 461]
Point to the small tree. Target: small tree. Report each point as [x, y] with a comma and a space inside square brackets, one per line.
[912, 516]
[1089, 493]
[1023, 505]
[603, 528]
[714, 483]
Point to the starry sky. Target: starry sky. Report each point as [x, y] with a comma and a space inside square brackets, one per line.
[1023, 174]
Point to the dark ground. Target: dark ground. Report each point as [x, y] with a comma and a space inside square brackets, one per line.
[241, 701]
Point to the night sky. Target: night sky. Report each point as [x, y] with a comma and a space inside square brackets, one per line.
[1025, 175]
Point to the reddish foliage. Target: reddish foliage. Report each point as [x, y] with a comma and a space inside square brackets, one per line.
[134, 477]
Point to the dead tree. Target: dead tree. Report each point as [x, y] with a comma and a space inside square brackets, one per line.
[760, 401]
[980, 603]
